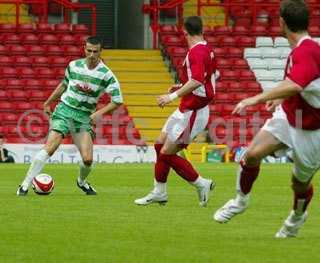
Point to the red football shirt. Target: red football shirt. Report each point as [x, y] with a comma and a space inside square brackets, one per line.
[199, 65]
[303, 68]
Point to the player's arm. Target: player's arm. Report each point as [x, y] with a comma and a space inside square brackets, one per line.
[188, 87]
[110, 107]
[56, 94]
[285, 89]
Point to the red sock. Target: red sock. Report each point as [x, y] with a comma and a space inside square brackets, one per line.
[161, 168]
[301, 200]
[247, 177]
[181, 166]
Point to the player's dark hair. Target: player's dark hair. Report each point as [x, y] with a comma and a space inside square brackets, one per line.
[295, 14]
[193, 25]
[94, 40]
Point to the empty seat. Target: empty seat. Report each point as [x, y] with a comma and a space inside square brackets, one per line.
[264, 42]
[40, 61]
[51, 83]
[246, 41]
[80, 39]
[264, 75]
[258, 31]
[22, 61]
[26, 72]
[37, 95]
[222, 30]
[16, 83]
[67, 39]
[269, 52]
[11, 39]
[48, 39]
[25, 28]
[33, 84]
[35, 50]
[278, 74]
[80, 29]
[164, 30]
[72, 51]
[172, 41]
[252, 53]
[17, 49]
[5, 106]
[240, 63]
[246, 75]
[44, 73]
[7, 28]
[229, 74]
[6, 60]
[281, 42]
[213, 41]
[18, 95]
[29, 38]
[224, 63]
[9, 72]
[257, 63]
[275, 63]
[59, 61]
[275, 31]
[54, 50]
[284, 52]
[4, 50]
[44, 28]
[240, 30]
[227, 41]
[62, 28]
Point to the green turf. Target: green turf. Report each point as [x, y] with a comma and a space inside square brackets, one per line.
[68, 226]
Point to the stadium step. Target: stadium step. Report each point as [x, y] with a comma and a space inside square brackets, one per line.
[142, 75]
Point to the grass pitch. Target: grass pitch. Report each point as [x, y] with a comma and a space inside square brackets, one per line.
[68, 226]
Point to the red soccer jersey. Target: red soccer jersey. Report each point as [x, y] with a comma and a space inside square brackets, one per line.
[303, 68]
[199, 65]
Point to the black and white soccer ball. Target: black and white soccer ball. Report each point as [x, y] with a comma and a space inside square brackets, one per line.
[43, 184]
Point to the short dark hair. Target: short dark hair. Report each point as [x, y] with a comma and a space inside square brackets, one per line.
[295, 14]
[94, 40]
[193, 25]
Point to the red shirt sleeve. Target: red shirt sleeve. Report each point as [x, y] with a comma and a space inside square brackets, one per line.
[197, 66]
[304, 68]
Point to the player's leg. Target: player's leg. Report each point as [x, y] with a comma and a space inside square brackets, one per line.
[185, 169]
[53, 142]
[84, 143]
[262, 145]
[161, 171]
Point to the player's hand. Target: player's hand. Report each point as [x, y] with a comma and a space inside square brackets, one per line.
[163, 100]
[95, 117]
[47, 109]
[242, 105]
[272, 104]
[174, 88]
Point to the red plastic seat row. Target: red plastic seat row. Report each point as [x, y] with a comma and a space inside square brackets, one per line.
[44, 28]
[32, 83]
[238, 86]
[28, 72]
[36, 61]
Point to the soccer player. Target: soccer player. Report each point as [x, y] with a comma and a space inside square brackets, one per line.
[196, 92]
[295, 123]
[84, 82]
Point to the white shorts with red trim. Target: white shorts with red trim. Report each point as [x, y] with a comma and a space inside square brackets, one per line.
[182, 127]
[305, 144]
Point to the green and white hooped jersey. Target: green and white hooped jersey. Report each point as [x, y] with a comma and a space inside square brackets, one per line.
[85, 86]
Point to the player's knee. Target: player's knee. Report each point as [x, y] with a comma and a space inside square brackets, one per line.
[87, 161]
[252, 158]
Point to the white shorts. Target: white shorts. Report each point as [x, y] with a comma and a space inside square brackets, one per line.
[182, 127]
[305, 144]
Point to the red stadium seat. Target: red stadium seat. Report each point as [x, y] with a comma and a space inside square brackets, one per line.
[51, 83]
[81, 39]
[7, 28]
[25, 28]
[62, 28]
[27, 39]
[3, 96]
[9, 72]
[176, 52]
[246, 75]
[17, 49]
[240, 30]
[251, 86]
[222, 98]
[37, 95]
[48, 39]
[314, 31]
[9, 118]
[26, 72]
[220, 52]
[44, 28]
[16, 83]
[213, 41]
[3, 82]
[222, 30]
[11, 39]
[234, 86]
[168, 41]
[44, 73]
[59, 73]
[18, 95]
[275, 31]
[246, 41]
[59, 61]
[35, 84]
[259, 31]
[72, 51]
[4, 50]
[239, 63]
[54, 50]
[23, 106]
[22, 61]
[223, 63]
[6, 61]
[227, 41]
[40, 61]
[6, 106]
[67, 40]
[168, 30]
[234, 52]
[35, 50]
[80, 29]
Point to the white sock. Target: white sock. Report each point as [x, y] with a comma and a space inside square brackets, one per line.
[83, 173]
[35, 168]
[199, 182]
[242, 199]
[160, 187]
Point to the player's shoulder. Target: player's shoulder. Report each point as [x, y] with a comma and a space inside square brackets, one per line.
[201, 49]
[80, 63]
[307, 47]
[103, 68]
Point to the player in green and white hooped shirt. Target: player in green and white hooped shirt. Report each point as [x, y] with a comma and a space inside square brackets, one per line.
[85, 81]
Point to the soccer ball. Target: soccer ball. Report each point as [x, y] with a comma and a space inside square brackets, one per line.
[42, 184]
